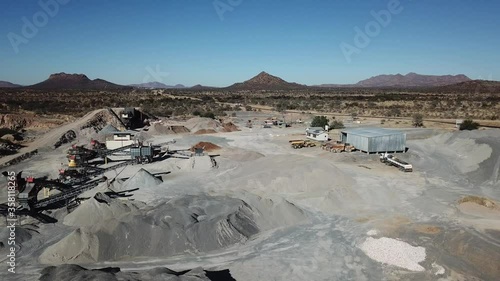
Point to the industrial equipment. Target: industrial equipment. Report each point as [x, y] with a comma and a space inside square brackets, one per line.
[392, 160]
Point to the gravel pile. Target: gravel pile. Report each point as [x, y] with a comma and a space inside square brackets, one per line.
[394, 252]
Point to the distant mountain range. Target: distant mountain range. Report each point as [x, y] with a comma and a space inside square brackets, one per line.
[75, 81]
[409, 80]
[412, 80]
[157, 85]
[5, 84]
[265, 81]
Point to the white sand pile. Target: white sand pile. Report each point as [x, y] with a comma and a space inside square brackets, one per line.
[190, 223]
[394, 252]
[92, 211]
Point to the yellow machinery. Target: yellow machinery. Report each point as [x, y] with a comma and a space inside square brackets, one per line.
[297, 144]
[72, 163]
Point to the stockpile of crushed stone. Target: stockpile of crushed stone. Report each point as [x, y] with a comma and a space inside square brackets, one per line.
[315, 182]
[199, 123]
[100, 208]
[189, 223]
[142, 180]
[77, 273]
[471, 156]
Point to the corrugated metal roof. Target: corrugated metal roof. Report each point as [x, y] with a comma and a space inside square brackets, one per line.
[315, 130]
[372, 132]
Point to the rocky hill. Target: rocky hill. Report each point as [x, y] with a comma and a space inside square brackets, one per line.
[473, 86]
[75, 81]
[265, 81]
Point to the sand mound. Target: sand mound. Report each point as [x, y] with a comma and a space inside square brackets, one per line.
[230, 127]
[92, 211]
[189, 223]
[485, 202]
[167, 129]
[198, 123]
[241, 155]
[207, 146]
[77, 273]
[205, 132]
[482, 208]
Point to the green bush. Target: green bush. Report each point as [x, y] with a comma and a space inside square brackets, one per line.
[337, 125]
[418, 120]
[208, 115]
[469, 124]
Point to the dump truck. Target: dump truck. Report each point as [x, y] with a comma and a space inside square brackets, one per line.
[338, 147]
[297, 144]
[392, 160]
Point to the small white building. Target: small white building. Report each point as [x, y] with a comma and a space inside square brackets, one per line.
[120, 139]
[317, 133]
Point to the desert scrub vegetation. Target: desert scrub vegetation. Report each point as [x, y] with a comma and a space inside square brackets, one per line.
[469, 125]
[364, 102]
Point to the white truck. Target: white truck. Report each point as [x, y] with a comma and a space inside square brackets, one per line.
[392, 160]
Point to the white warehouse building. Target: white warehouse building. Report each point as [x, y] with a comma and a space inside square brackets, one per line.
[317, 133]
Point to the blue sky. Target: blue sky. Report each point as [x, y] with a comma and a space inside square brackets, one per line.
[298, 40]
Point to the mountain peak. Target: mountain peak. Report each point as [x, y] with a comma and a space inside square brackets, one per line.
[75, 81]
[265, 81]
[63, 75]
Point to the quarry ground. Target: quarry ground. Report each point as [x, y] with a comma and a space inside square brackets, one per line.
[270, 212]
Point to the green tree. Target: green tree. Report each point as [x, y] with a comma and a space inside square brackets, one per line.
[418, 120]
[469, 124]
[319, 121]
[337, 125]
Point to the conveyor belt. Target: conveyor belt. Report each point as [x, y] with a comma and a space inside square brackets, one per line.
[66, 195]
